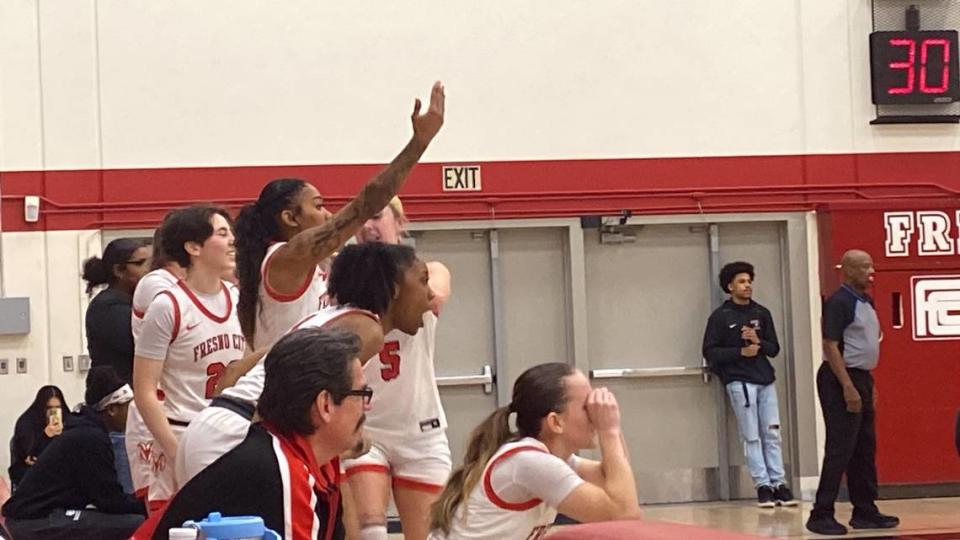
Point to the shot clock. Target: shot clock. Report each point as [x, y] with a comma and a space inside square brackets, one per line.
[915, 67]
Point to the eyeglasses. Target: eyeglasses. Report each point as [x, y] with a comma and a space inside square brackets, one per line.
[366, 393]
[136, 262]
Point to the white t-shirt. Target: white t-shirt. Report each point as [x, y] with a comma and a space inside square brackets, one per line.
[517, 496]
[406, 402]
[277, 313]
[196, 336]
[250, 385]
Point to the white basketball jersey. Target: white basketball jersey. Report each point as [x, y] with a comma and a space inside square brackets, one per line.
[486, 516]
[406, 402]
[147, 289]
[277, 312]
[250, 385]
[202, 345]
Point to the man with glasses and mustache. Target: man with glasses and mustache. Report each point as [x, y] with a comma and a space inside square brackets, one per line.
[286, 471]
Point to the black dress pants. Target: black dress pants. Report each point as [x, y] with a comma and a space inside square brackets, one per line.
[851, 445]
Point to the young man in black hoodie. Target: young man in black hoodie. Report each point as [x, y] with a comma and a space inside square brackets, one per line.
[738, 342]
[77, 470]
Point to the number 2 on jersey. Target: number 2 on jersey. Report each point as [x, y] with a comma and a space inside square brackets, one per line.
[390, 360]
[214, 372]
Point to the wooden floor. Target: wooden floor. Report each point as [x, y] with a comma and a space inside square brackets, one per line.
[917, 516]
[918, 519]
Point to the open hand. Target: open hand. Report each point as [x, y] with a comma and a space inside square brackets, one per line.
[426, 125]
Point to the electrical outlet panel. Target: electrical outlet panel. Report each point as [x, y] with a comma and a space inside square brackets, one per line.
[83, 362]
[4, 366]
[68, 363]
[21, 365]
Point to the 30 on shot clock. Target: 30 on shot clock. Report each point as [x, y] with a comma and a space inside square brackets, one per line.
[914, 67]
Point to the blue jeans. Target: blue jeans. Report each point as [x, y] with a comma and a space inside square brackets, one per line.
[120, 461]
[758, 420]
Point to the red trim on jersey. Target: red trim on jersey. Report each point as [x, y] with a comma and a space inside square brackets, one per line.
[146, 529]
[368, 467]
[176, 315]
[417, 485]
[141, 493]
[203, 309]
[140, 314]
[156, 506]
[488, 484]
[347, 311]
[278, 296]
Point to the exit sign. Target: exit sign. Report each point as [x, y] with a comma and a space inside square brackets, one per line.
[461, 178]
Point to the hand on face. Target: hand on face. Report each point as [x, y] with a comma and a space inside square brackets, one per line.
[603, 410]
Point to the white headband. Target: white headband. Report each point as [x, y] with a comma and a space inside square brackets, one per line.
[120, 395]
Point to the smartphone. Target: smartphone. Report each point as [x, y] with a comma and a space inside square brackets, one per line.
[55, 416]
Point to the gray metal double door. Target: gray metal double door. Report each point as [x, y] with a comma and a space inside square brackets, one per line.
[646, 307]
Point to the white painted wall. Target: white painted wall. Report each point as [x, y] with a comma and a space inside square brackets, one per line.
[46, 268]
[119, 83]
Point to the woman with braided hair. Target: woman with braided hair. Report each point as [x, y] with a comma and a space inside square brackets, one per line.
[287, 233]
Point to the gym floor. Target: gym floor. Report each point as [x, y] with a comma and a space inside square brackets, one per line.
[920, 519]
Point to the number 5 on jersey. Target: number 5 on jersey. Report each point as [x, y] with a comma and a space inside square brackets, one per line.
[390, 360]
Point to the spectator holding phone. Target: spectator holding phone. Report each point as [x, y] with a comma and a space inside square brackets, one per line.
[35, 428]
[738, 343]
[72, 493]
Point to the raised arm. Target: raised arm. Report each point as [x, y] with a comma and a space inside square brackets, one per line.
[308, 248]
[439, 283]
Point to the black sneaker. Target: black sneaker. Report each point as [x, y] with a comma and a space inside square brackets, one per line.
[783, 496]
[878, 521]
[826, 525]
[765, 498]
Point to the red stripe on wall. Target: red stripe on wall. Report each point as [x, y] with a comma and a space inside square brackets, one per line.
[132, 198]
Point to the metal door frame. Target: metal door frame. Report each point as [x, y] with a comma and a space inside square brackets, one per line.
[795, 286]
[574, 280]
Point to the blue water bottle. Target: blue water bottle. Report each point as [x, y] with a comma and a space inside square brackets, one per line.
[217, 527]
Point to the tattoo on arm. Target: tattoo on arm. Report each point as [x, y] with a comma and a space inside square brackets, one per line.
[374, 196]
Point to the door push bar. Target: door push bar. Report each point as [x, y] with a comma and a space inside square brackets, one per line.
[485, 378]
[650, 373]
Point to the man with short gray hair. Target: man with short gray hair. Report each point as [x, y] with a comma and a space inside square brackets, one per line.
[851, 346]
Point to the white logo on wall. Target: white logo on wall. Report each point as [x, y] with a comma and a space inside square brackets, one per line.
[936, 307]
[933, 229]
